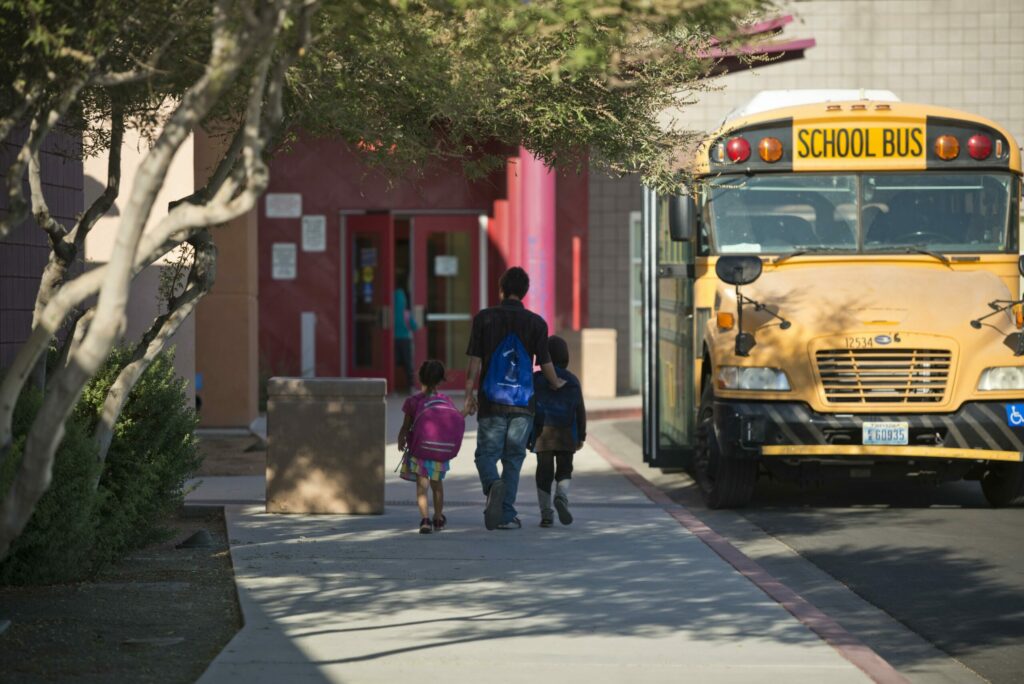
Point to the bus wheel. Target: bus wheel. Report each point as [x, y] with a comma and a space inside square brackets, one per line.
[724, 482]
[1003, 484]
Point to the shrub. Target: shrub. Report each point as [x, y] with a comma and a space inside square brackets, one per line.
[76, 529]
[57, 543]
[152, 455]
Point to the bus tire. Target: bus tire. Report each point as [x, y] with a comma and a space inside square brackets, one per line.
[1003, 484]
[724, 482]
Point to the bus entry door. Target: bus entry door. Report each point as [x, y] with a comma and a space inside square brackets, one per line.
[670, 390]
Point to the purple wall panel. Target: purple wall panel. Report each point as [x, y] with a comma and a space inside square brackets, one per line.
[24, 253]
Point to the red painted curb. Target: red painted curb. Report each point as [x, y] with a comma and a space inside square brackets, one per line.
[848, 646]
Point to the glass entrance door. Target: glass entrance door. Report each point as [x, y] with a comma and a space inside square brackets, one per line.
[370, 291]
[446, 292]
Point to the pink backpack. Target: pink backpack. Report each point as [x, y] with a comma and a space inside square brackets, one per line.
[437, 429]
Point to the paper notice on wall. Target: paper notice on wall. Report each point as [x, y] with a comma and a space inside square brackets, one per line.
[284, 205]
[368, 256]
[284, 260]
[446, 266]
[314, 233]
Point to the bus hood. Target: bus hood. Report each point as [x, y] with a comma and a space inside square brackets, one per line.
[836, 299]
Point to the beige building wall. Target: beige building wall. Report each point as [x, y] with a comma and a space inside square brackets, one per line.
[143, 305]
[965, 54]
[227, 319]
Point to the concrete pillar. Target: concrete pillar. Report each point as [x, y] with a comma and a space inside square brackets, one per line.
[592, 355]
[325, 445]
[227, 319]
[537, 229]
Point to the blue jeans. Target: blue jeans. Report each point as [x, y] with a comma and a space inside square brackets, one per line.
[502, 438]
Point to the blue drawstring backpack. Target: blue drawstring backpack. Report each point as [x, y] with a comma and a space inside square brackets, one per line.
[509, 379]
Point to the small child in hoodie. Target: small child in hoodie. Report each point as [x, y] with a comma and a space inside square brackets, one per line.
[559, 430]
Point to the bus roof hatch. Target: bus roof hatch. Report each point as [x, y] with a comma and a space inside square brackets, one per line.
[767, 100]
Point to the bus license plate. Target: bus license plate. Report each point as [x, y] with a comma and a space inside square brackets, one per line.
[888, 434]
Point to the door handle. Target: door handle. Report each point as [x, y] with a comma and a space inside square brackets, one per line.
[418, 314]
[385, 317]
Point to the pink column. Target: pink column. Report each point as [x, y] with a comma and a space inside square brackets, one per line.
[513, 242]
[537, 233]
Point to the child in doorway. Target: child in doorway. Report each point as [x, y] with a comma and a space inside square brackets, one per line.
[559, 430]
[430, 437]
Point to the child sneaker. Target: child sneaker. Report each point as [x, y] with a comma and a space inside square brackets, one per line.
[547, 521]
[425, 526]
[513, 524]
[439, 523]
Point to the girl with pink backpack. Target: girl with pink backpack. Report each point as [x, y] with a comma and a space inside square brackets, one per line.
[430, 438]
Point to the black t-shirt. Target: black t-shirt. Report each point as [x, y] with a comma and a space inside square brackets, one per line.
[490, 327]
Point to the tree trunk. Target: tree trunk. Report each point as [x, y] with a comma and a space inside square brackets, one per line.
[229, 52]
[78, 324]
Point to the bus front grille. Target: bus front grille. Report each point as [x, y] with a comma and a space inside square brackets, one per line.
[884, 376]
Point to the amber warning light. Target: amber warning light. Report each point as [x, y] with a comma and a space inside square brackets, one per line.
[770, 149]
[947, 147]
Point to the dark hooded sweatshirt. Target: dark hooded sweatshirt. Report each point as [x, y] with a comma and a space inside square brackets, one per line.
[560, 421]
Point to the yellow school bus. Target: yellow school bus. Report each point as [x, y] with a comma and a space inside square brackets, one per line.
[837, 295]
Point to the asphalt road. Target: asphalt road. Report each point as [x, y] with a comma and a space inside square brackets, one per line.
[939, 561]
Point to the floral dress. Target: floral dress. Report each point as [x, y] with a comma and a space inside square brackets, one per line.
[412, 465]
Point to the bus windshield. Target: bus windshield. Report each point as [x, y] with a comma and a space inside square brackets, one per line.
[858, 212]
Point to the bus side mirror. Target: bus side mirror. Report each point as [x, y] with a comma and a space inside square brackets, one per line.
[1020, 264]
[682, 217]
[738, 270]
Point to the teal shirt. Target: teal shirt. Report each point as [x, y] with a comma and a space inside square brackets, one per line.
[403, 328]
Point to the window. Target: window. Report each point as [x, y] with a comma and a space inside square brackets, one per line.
[771, 214]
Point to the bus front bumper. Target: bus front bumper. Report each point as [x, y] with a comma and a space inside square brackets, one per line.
[977, 431]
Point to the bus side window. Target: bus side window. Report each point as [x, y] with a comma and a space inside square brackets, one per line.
[703, 236]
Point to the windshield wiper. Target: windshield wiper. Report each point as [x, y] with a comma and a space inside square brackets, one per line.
[809, 250]
[909, 249]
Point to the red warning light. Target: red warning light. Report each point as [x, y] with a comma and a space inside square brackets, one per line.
[979, 146]
[738, 150]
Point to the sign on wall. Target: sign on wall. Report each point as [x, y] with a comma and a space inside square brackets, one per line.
[283, 260]
[314, 233]
[284, 205]
[446, 265]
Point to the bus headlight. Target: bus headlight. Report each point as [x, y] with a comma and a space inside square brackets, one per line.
[1001, 378]
[755, 378]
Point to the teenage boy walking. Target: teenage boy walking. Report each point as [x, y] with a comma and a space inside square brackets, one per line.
[503, 344]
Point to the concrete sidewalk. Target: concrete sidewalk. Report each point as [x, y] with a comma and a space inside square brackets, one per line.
[629, 406]
[625, 593]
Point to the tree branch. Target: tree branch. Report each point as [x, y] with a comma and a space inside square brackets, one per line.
[40, 209]
[17, 208]
[11, 120]
[67, 249]
[200, 279]
[220, 174]
[147, 68]
[101, 205]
